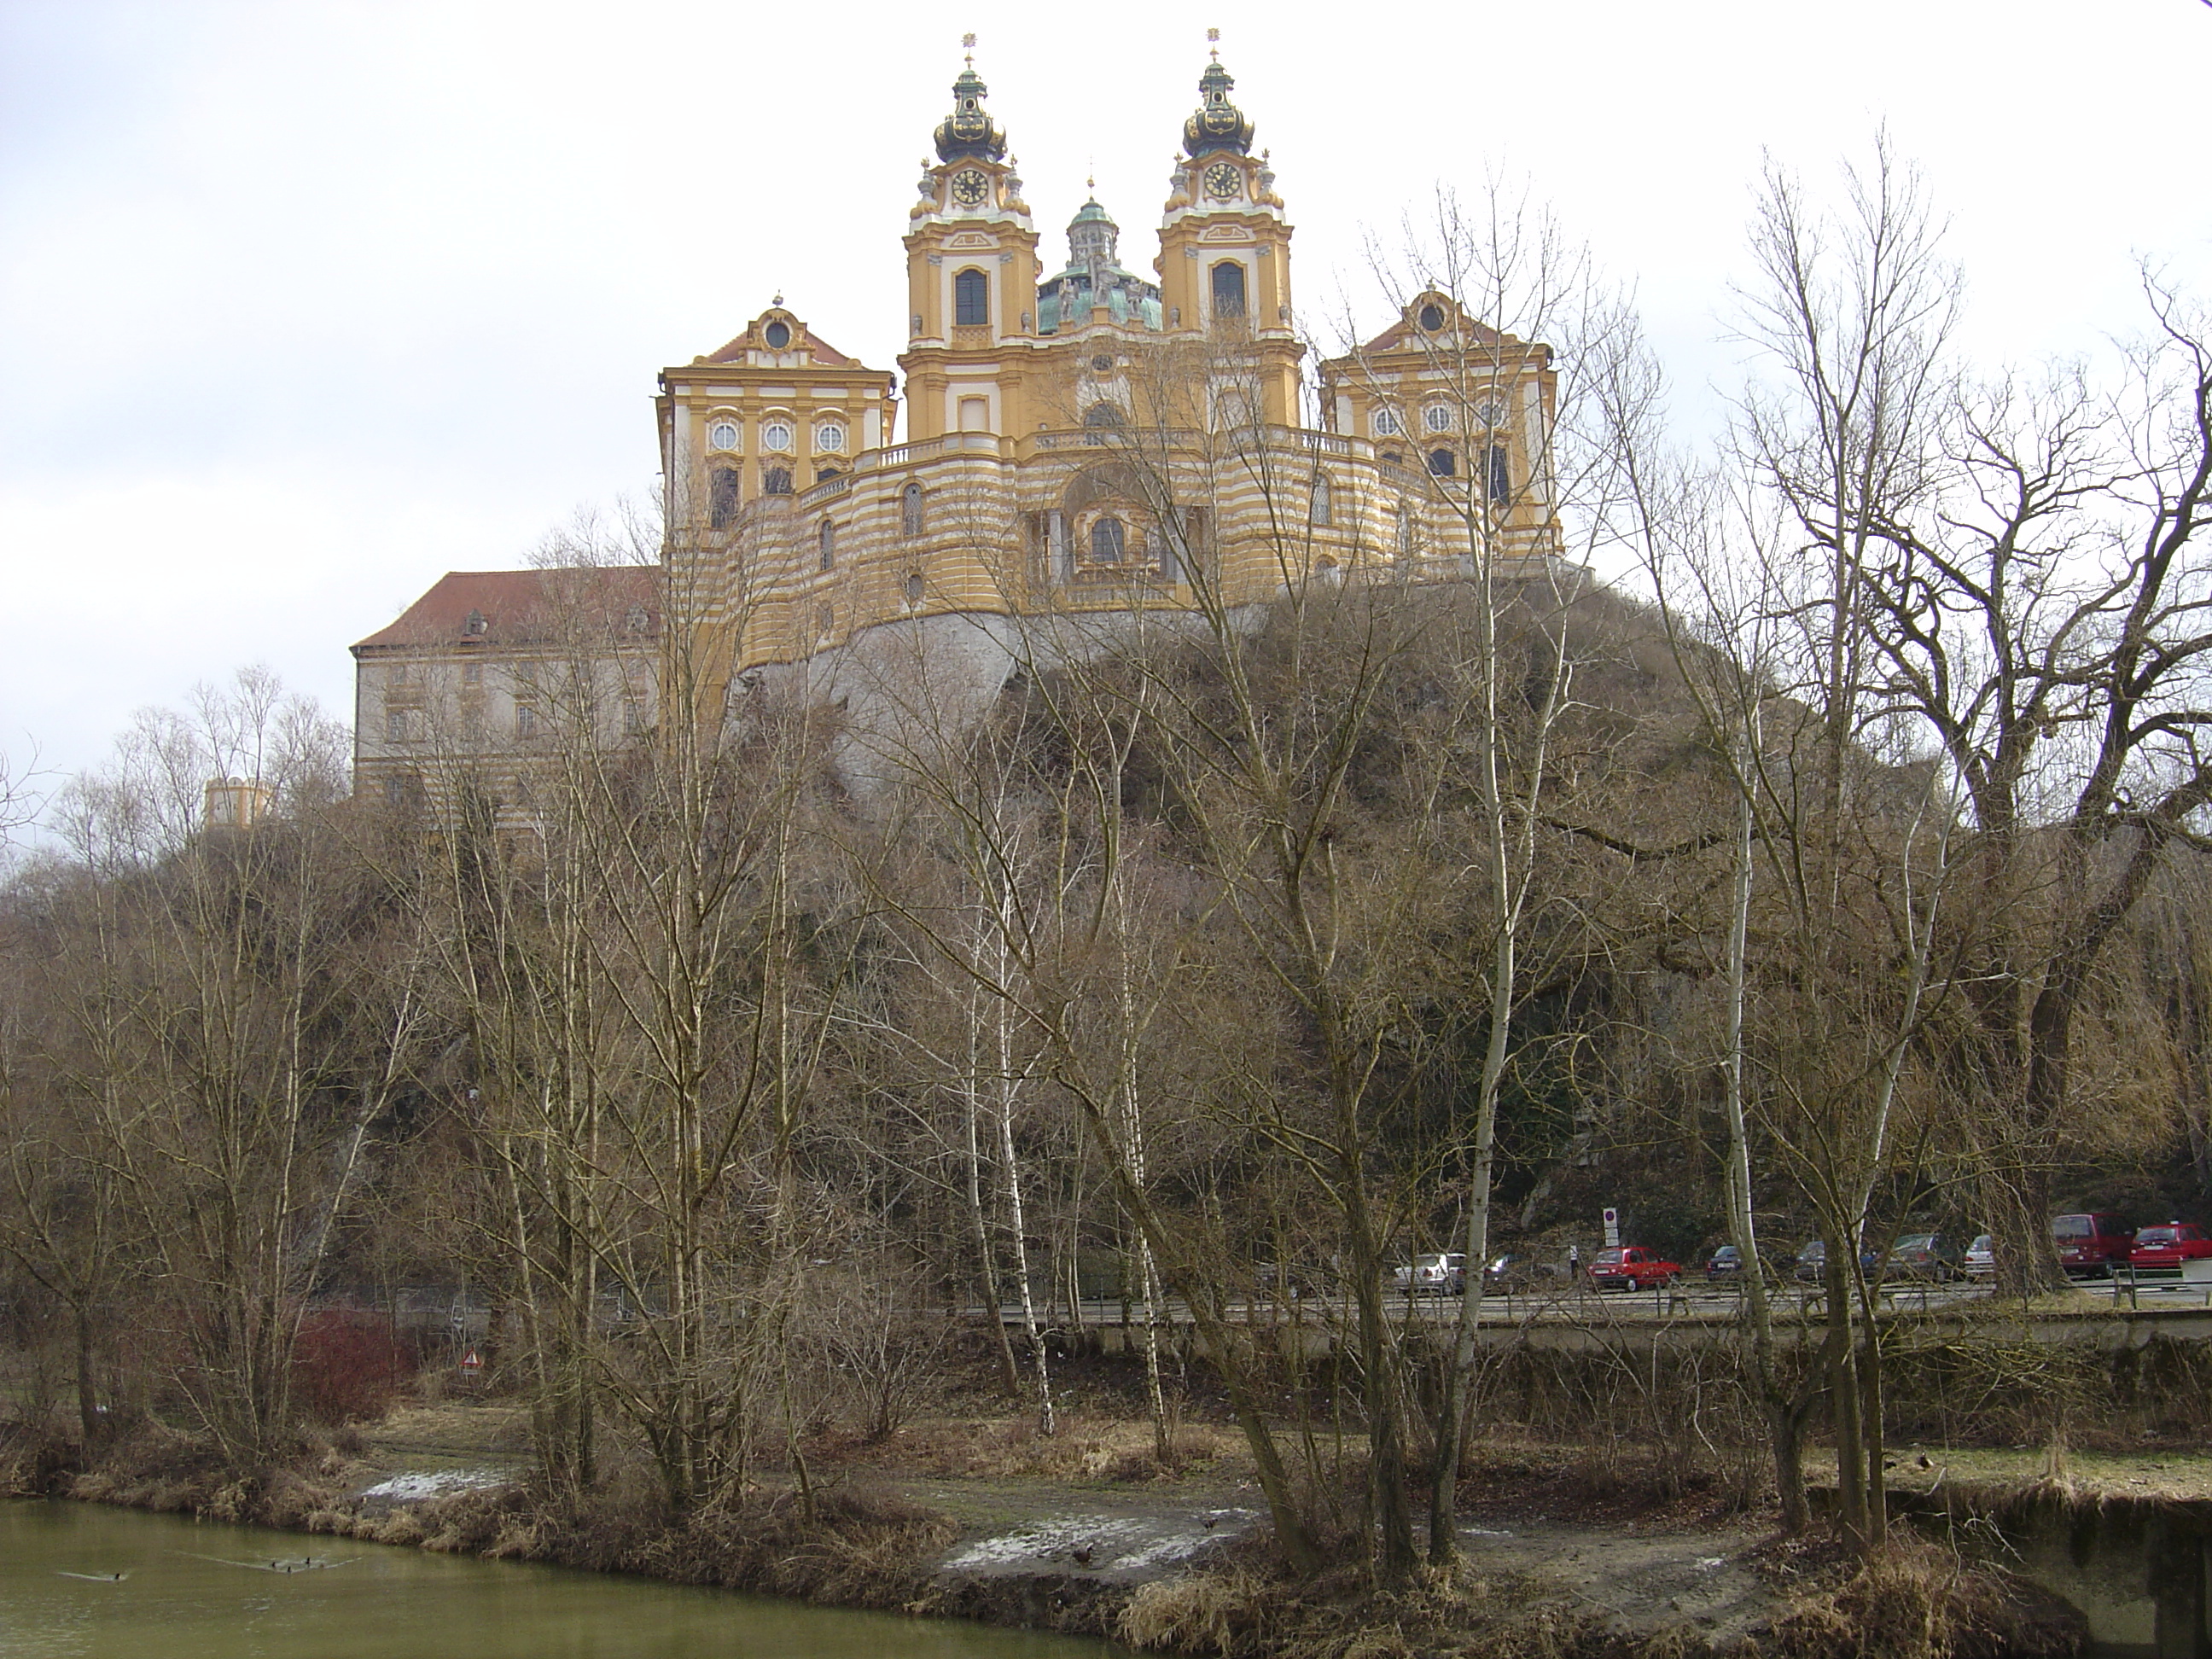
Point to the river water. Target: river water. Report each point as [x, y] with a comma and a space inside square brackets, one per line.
[190, 1591]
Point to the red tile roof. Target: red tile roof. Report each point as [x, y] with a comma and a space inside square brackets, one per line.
[521, 607]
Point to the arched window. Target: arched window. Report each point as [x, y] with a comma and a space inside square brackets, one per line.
[914, 587]
[910, 510]
[1500, 471]
[1102, 415]
[829, 539]
[1405, 532]
[777, 481]
[1444, 464]
[1324, 501]
[1432, 319]
[1228, 289]
[722, 496]
[971, 297]
[1108, 540]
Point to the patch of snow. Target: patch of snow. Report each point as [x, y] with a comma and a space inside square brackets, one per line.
[1112, 1546]
[413, 1488]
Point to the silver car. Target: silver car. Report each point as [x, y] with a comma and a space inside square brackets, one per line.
[1440, 1274]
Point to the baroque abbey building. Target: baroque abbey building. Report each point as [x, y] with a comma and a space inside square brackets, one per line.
[1077, 445]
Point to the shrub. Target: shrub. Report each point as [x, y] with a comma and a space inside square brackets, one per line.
[347, 1366]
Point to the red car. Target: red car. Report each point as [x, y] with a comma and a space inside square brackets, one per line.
[1631, 1267]
[2171, 1245]
[2092, 1243]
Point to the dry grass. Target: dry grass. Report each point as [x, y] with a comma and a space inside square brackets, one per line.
[1922, 1603]
[1244, 1608]
[1088, 1447]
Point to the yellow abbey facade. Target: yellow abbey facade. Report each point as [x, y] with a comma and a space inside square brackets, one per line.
[1077, 441]
[1087, 438]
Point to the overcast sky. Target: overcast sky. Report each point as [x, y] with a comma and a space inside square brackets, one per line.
[304, 303]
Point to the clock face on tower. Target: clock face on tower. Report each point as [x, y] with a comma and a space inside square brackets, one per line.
[969, 187]
[1222, 183]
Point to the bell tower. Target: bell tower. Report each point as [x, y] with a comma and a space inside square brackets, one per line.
[1224, 260]
[971, 261]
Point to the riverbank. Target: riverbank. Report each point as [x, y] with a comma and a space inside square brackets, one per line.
[983, 1519]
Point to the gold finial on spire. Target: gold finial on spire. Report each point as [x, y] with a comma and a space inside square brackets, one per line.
[967, 42]
[1213, 39]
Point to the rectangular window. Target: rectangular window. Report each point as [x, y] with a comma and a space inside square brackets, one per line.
[396, 728]
[632, 719]
[525, 721]
[472, 673]
[722, 497]
[971, 298]
[1501, 474]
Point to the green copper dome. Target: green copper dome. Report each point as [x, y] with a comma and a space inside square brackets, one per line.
[1216, 124]
[968, 130]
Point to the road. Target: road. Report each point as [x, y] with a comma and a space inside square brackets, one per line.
[1690, 1299]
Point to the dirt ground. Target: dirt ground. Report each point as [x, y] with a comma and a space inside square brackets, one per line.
[1088, 1505]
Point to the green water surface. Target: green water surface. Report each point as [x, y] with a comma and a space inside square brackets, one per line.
[193, 1591]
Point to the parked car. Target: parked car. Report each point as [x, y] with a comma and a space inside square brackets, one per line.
[2093, 1242]
[1724, 1265]
[1926, 1256]
[1632, 1267]
[1811, 1262]
[1503, 1272]
[1980, 1260]
[2170, 1246]
[1439, 1275]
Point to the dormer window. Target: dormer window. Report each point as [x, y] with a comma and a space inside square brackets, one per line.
[637, 620]
[476, 626]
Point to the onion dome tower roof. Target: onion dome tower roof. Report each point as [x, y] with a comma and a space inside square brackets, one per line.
[1216, 124]
[969, 132]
